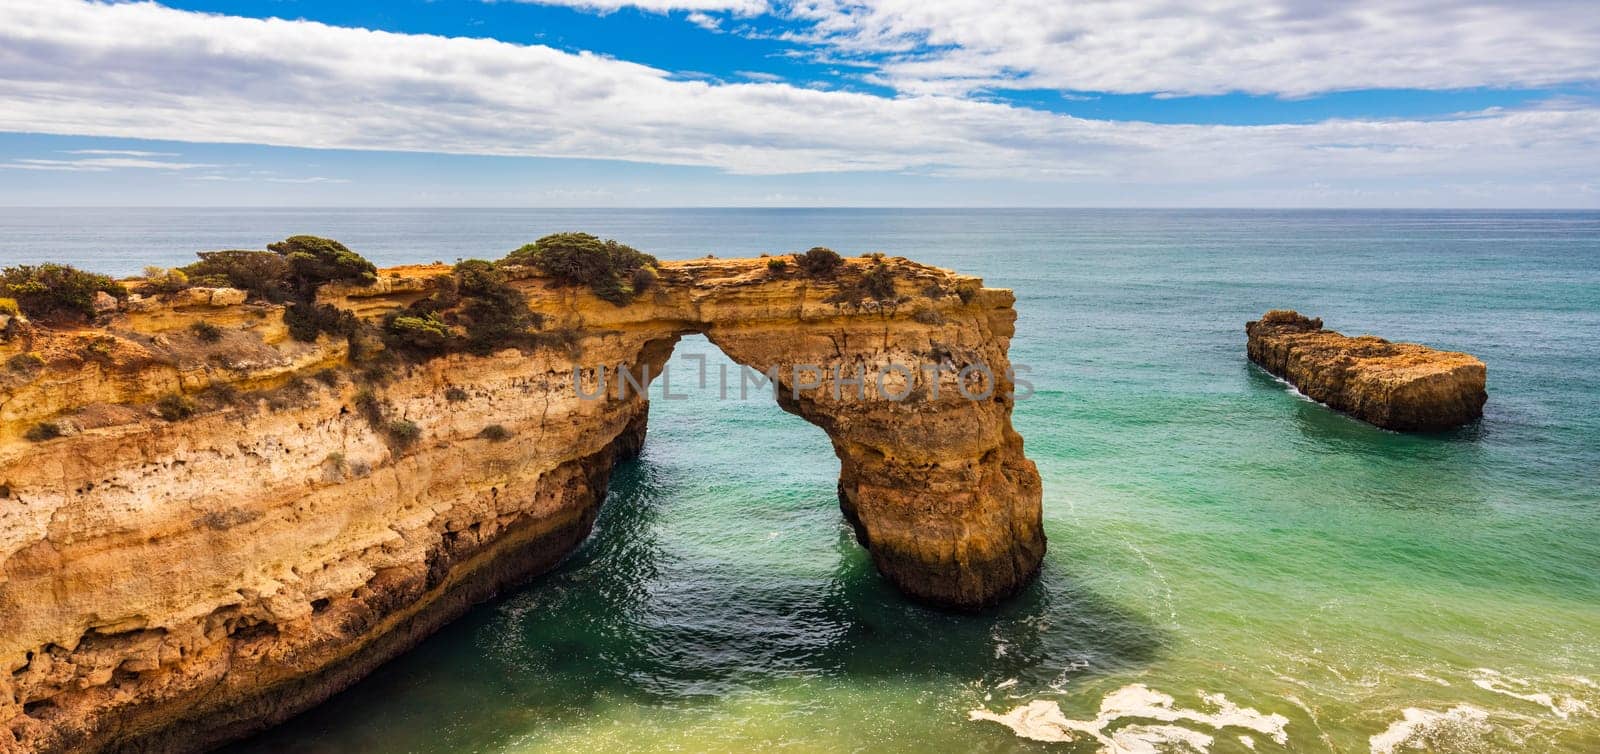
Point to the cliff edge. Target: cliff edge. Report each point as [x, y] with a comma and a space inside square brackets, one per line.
[214, 515]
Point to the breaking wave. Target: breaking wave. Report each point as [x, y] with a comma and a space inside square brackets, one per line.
[1043, 720]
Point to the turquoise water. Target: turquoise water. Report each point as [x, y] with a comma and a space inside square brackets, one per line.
[1210, 532]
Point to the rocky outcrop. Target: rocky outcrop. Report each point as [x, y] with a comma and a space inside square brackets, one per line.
[1399, 386]
[220, 529]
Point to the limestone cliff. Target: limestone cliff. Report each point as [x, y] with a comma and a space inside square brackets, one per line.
[1400, 386]
[206, 529]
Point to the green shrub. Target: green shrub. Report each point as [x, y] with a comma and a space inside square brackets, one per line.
[329, 377]
[8, 306]
[777, 264]
[445, 295]
[495, 433]
[425, 333]
[175, 406]
[608, 268]
[57, 291]
[206, 332]
[644, 278]
[878, 281]
[403, 433]
[306, 321]
[455, 394]
[261, 274]
[43, 431]
[164, 280]
[314, 261]
[819, 261]
[496, 314]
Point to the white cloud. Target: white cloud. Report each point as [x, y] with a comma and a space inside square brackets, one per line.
[311, 179]
[758, 76]
[705, 21]
[102, 164]
[120, 152]
[742, 7]
[1284, 47]
[1280, 47]
[139, 70]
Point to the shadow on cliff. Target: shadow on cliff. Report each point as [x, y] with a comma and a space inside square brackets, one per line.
[638, 617]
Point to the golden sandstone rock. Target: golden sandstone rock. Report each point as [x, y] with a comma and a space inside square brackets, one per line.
[220, 536]
[1399, 386]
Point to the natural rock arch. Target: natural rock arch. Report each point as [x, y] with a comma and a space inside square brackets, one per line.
[932, 474]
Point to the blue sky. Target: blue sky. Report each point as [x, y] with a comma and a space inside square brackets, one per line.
[825, 102]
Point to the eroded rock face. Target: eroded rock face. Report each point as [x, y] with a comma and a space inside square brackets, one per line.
[1399, 386]
[170, 583]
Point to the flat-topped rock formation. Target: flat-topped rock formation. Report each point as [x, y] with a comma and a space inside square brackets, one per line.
[208, 525]
[1399, 386]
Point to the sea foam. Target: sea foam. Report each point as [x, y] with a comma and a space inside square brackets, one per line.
[1043, 720]
[1420, 729]
[1517, 688]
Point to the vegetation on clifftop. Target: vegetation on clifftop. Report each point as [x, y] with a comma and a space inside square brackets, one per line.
[313, 261]
[819, 261]
[262, 274]
[56, 291]
[615, 272]
[473, 309]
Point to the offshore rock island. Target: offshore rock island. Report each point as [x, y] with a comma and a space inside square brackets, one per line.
[230, 490]
[1399, 386]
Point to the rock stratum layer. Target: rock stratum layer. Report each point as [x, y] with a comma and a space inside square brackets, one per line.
[172, 583]
[1399, 386]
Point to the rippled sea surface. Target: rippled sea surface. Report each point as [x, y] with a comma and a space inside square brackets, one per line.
[1221, 550]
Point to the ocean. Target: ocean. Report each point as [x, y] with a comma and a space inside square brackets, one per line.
[1231, 567]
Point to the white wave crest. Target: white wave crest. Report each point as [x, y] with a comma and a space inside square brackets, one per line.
[1043, 720]
[1517, 688]
[1422, 729]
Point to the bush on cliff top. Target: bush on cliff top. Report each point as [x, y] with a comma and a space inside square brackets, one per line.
[496, 314]
[313, 261]
[819, 261]
[262, 274]
[159, 279]
[614, 271]
[878, 281]
[56, 291]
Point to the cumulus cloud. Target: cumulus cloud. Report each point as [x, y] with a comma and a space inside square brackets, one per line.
[141, 70]
[1279, 47]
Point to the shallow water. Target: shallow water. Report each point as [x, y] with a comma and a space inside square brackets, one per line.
[1210, 531]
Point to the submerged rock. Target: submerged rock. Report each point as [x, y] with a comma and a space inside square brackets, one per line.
[1400, 386]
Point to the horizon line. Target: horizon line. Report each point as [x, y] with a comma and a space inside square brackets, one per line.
[1297, 208]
